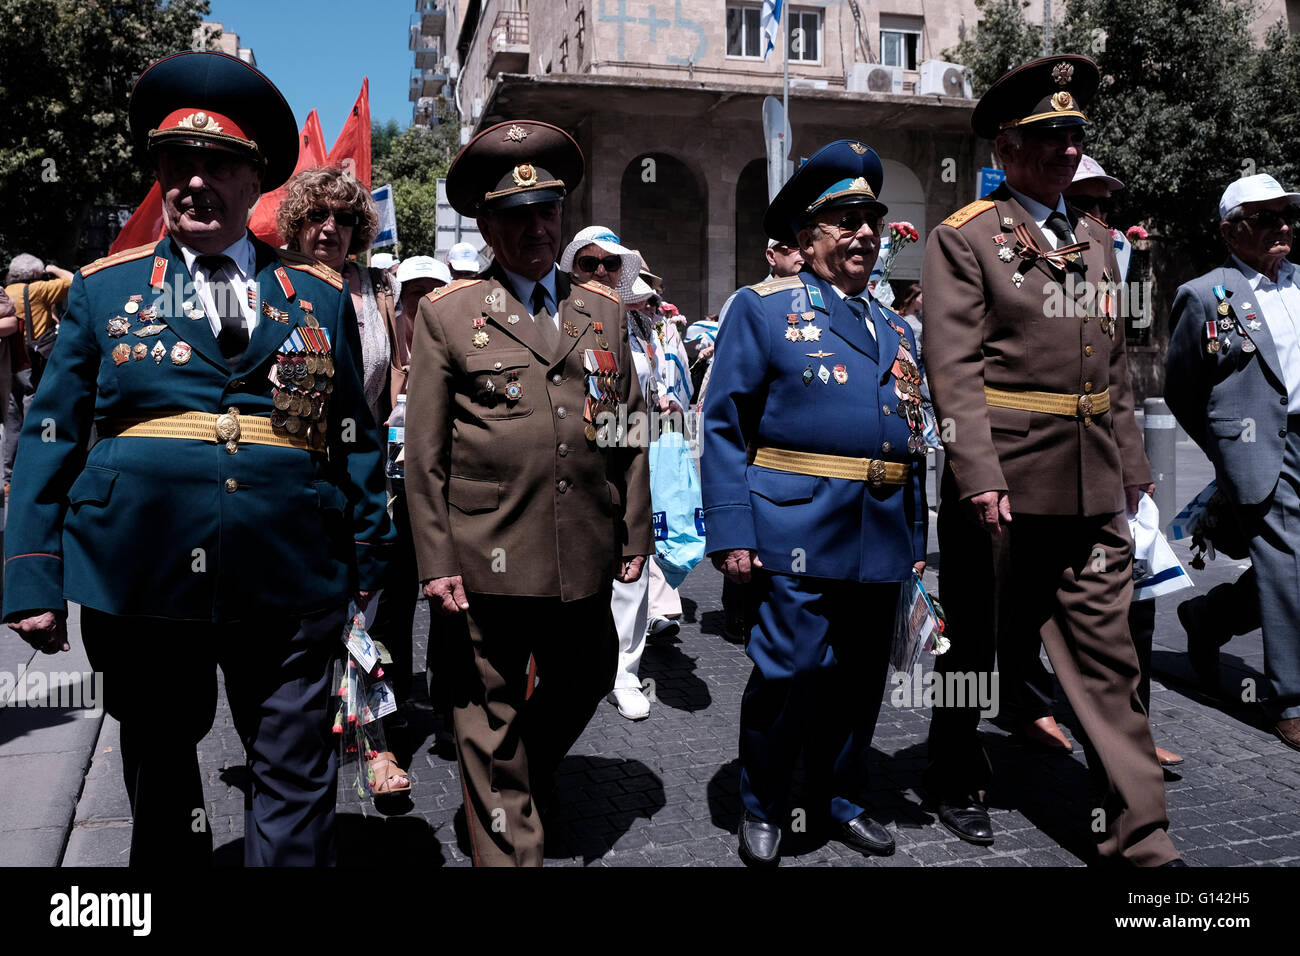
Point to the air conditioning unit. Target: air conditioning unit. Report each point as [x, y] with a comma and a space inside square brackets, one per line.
[874, 78]
[944, 79]
[806, 83]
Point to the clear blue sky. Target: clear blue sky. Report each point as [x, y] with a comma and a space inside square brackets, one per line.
[317, 53]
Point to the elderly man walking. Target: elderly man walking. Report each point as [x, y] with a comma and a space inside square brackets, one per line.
[1233, 382]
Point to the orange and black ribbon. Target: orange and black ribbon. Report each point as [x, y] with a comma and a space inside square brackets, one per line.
[1027, 249]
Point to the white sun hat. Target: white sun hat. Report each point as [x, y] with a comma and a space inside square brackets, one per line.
[609, 242]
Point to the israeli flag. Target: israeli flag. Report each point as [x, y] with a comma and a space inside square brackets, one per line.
[770, 20]
[387, 234]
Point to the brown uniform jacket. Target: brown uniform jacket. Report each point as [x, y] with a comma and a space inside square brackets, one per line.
[1046, 336]
[510, 494]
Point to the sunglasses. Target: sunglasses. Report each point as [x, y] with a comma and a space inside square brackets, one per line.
[853, 220]
[1272, 219]
[1099, 203]
[592, 263]
[342, 217]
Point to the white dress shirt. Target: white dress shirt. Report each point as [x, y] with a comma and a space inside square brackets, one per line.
[242, 277]
[524, 291]
[864, 298]
[1039, 212]
[1278, 304]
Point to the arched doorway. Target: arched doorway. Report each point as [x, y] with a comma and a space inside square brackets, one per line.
[664, 210]
[751, 241]
[902, 193]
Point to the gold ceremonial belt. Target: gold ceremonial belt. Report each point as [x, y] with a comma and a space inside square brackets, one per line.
[1052, 403]
[871, 470]
[232, 429]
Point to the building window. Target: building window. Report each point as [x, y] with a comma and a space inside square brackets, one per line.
[899, 48]
[805, 36]
[744, 36]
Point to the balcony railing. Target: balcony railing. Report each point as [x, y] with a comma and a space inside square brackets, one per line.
[433, 16]
[508, 43]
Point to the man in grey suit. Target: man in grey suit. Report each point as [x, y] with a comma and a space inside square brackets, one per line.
[1233, 382]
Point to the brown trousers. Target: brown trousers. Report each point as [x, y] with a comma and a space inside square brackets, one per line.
[1067, 582]
[509, 738]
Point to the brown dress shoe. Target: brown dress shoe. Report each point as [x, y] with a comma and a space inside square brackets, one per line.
[1288, 731]
[1167, 758]
[1044, 732]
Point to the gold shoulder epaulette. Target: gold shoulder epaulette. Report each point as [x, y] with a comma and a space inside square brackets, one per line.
[591, 285]
[768, 286]
[305, 263]
[1097, 221]
[437, 294]
[967, 213]
[126, 255]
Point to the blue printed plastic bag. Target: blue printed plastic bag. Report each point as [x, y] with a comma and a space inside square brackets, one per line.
[675, 501]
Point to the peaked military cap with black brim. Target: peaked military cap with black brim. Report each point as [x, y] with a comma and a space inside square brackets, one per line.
[840, 174]
[1043, 94]
[215, 101]
[513, 164]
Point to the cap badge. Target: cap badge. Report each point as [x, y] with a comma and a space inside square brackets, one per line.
[524, 175]
[516, 134]
[200, 120]
[1062, 101]
[1062, 73]
[858, 148]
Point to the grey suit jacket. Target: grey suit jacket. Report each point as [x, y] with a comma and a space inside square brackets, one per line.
[1232, 403]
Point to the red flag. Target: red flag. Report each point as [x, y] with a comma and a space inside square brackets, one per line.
[352, 148]
[311, 152]
[144, 226]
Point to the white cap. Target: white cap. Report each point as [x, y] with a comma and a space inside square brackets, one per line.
[463, 257]
[423, 267]
[1089, 168]
[1259, 188]
[605, 239]
[640, 291]
[383, 260]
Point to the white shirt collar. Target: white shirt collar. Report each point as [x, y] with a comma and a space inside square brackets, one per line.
[524, 287]
[1037, 209]
[240, 253]
[1284, 273]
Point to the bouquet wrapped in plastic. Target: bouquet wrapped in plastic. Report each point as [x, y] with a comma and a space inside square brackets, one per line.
[362, 696]
[918, 626]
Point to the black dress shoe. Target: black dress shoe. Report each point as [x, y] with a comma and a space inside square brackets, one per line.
[866, 836]
[1178, 861]
[969, 820]
[760, 841]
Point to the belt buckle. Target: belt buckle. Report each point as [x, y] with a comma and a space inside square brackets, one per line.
[227, 429]
[876, 473]
[1085, 406]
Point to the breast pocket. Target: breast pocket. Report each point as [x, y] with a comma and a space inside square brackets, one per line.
[497, 383]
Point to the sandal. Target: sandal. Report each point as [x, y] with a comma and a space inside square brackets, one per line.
[384, 768]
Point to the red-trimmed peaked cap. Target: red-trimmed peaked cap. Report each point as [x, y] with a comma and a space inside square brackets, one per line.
[213, 100]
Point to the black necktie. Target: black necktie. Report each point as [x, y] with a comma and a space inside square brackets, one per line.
[233, 338]
[1060, 227]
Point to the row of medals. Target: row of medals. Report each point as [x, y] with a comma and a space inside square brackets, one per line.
[302, 380]
[907, 386]
[123, 352]
[1227, 324]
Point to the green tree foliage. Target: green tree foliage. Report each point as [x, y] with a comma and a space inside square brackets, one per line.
[1003, 39]
[66, 72]
[413, 160]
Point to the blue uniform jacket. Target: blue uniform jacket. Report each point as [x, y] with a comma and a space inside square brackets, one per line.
[180, 528]
[801, 524]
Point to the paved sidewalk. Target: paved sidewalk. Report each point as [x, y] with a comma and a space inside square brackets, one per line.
[663, 791]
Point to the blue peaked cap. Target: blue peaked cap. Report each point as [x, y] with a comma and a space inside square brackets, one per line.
[846, 172]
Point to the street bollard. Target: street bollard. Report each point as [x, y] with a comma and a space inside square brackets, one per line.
[1161, 439]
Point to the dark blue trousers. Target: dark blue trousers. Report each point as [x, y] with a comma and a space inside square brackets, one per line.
[821, 657]
[160, 683]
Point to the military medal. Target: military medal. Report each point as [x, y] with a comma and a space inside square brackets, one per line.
[590, 431]
[121, 353]
[513, 319]
[1017, 278]
[192, 311]
[271, 312]
[824, 374]
[1246, 306]
[293, 425]
[181, 353]
[808, 376]
[280, 399]
[514, 391]
[794, 335]
[481, 338]
[139, 352]
[1008, 222]
[841, 374]
[1247, 346]
[600, 334]
[251, 295]
[815, 297]
[149, 314]
[1252, 322]
[570, 329]
[792, 319]
[811, 333]
[820, 353]
[145, 331]
[159, 350]
[133, 304]
[1212, 337]
[1225, 323]
[159, 272]
[1005, 254]
[118, 327]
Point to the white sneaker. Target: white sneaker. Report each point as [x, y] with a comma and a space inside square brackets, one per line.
[662, 627]
[631, 703]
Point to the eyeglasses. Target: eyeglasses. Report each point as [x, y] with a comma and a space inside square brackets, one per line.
[854, 220]
[342, 217]
[592, 263]
[1084, 203]
[1271, 218]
